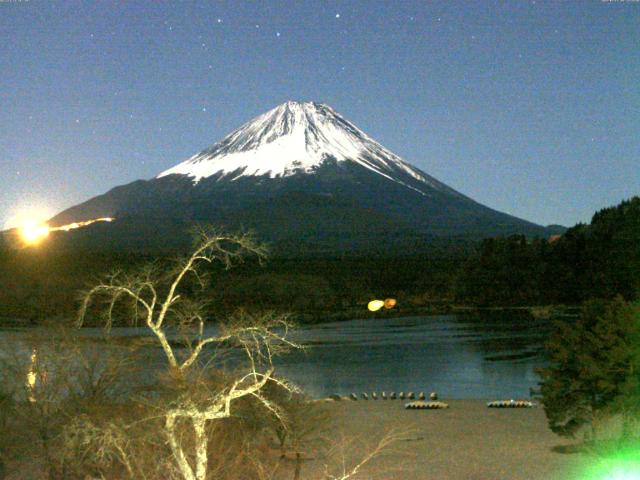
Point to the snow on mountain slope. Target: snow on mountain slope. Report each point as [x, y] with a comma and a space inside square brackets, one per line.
[297, 137]
[299, 174]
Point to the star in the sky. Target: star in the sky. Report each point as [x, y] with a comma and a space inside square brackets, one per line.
[219, 20]
[337, 15]
[277, 34]
[204, 109]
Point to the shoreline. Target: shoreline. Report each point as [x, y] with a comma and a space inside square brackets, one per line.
[320, 317]
[467, 441]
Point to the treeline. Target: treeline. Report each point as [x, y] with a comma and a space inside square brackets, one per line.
[599, 260]
[315, 287]
[37, 286]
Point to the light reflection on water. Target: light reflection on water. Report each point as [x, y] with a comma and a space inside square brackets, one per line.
[459, 356]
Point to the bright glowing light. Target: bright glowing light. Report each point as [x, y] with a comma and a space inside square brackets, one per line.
[32, 376]
[74, 225]
[623, 474]
[375, 305]
[31, 380]
[33, 232]
[623, 464]
[390, 303]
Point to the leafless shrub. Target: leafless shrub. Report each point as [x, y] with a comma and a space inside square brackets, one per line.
[48, 377]
[353, 459]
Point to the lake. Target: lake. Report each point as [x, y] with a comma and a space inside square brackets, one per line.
[458, 356]
[488, 356]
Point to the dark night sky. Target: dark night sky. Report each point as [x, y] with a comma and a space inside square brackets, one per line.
[531, 107]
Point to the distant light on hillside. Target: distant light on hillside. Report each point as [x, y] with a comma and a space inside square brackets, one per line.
[33, 232]
[74, 225]
[375, 305]
[387, 303]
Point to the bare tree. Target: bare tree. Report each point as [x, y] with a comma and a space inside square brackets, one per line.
[361, 467]
[305, 434]
[161, 301]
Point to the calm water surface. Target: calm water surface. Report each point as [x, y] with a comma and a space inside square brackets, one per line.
[459, 356]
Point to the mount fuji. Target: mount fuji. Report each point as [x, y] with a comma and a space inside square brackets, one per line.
[302, 176]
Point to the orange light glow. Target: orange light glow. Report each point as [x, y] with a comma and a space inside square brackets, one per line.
[390, 303]
[74, 225]
[33, 232]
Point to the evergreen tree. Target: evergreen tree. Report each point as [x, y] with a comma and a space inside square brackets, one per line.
[592, 366]
[628, 402]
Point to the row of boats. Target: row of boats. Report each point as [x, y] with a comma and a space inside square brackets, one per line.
[392, 396]
[433, 403]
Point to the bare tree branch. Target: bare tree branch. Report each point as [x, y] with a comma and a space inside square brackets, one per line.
[163, 303]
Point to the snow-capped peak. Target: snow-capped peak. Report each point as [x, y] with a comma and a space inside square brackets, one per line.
[295, 137]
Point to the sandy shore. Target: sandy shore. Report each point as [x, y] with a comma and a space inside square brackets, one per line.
[468, 441]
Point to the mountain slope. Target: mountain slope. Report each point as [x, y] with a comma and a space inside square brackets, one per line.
[301, 172]
[296, 138]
